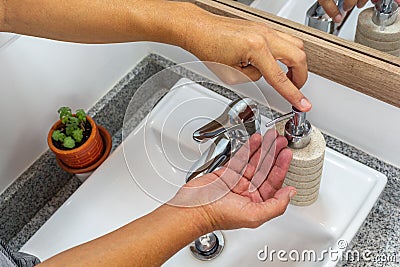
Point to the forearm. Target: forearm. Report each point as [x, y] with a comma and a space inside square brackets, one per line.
[148, 241]
[101, 21]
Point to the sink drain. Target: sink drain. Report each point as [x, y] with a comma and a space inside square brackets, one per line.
[208, 247]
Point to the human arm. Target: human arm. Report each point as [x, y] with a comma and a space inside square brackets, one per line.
[210, 37]
[220, 200]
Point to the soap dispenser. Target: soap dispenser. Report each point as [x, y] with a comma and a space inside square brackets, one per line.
[308, 148]
[379, 27]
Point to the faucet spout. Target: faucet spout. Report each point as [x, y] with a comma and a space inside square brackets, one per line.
[317, 18]
[228, 133]
[240, 113]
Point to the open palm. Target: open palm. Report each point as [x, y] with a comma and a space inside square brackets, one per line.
[247, 191]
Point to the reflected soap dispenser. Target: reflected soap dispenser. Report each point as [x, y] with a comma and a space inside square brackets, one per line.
[379, 27]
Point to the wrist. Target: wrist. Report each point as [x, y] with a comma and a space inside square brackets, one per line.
[197, 219]
[186, 24]
[162, 21]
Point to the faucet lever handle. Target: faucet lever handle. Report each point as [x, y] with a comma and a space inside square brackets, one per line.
[211, 130]
[240, 114]
[280, 118]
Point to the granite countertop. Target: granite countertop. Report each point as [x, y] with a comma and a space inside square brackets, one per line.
[30, 201]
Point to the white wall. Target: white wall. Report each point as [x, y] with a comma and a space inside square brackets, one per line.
[37, 76]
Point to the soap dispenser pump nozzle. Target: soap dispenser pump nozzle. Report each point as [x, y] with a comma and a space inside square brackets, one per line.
[385, 13]
[297, 128]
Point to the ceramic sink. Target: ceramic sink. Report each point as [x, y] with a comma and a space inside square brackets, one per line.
[151, 164]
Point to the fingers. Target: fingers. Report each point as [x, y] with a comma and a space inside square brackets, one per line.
[298, 76]
[229, 177]
[239, 161]
[349, 4]
[258, 157]
[276, 206]
[230, 75]
[276, 77]
[362, 3]
[267, 163]
[250, 71]
[331, 9]
[293, 40]
[277, 174]
[294, 59]
[259, 213]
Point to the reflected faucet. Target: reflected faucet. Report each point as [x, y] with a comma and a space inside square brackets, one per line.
[317, 18]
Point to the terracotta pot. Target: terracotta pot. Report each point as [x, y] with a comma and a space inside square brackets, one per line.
[83, 156]
[105, 135]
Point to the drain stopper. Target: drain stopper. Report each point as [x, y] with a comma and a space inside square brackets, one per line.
[208, 246]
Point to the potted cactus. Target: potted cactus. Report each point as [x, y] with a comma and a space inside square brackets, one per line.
[80, 145]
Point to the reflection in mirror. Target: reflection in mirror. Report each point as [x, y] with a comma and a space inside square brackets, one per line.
[344, 62]
[382, 32]
[375, 25]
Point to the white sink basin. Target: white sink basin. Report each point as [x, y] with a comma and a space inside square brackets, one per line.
[6, 39]
[110, 198]
[295, 10]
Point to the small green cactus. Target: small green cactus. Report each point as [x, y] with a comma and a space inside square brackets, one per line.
[74, 127]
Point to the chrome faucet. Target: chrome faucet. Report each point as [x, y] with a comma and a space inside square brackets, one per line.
[228, 133]
[234, 127]
[317, 18]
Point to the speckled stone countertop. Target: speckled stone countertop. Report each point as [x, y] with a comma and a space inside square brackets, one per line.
[30, 201]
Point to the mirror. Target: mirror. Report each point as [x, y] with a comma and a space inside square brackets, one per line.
[294, 14]
[332, 57]
[310, 13]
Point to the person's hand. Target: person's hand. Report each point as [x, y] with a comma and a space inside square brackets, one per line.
[254, 49]
[247, 191]
[332, 9]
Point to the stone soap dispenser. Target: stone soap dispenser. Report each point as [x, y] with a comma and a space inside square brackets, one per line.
[379, 27]
[308, 147]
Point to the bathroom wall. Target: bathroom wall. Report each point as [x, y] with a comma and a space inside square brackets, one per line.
[37, 76]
